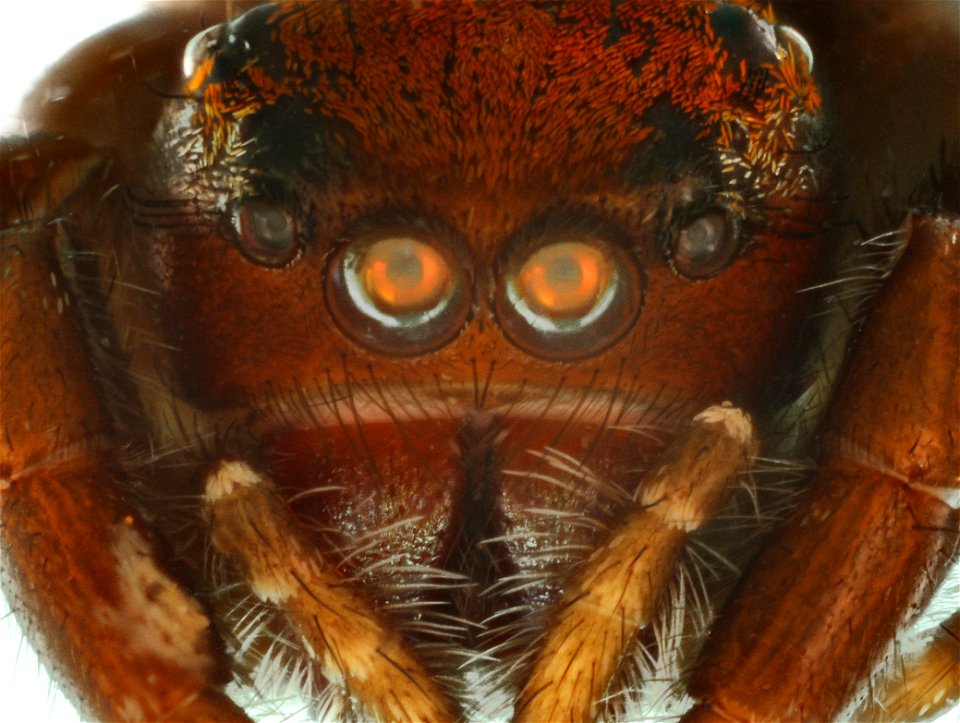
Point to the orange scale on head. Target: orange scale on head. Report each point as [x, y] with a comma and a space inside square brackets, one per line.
[594, 122]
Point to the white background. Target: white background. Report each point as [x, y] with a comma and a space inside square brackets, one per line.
[35, 33]
[32, 35]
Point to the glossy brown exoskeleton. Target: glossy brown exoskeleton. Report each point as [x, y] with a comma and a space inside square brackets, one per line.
[454, 359]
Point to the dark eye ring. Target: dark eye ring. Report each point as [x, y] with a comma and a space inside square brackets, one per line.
[569, 298]
[705, 244]
[266, 232]
[399, 291]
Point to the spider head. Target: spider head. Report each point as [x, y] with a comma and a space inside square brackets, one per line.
[466, 266]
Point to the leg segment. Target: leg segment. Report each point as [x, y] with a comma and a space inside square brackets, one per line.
[620, 586]
[348, 640]
[863, 555]
[125, 639]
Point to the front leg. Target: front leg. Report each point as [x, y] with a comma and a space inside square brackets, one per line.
[79, 566]
[865, 553]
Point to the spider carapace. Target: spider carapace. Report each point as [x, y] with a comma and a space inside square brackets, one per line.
[437, 355]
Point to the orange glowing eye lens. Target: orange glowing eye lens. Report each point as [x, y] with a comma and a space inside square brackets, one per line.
[404, 276]
[564, 280]
[397, 294]
[569, 299]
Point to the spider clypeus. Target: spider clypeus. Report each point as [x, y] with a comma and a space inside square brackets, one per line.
[454, 359]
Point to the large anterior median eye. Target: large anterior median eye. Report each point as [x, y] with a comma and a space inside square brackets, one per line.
[403, 276]
[565, 281]
[569, 299]
[398, 293]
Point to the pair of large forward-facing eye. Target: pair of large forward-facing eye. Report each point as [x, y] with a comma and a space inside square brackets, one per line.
[407, 293]
[567, 294]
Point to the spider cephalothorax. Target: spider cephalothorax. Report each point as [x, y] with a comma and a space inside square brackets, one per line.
[425, 337]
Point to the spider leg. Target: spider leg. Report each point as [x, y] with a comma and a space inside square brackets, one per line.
[343, 633]
[926, 684]
[880, 527]
[618, 590]
[79, 568]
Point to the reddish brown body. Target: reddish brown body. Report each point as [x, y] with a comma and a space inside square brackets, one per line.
[187, 328]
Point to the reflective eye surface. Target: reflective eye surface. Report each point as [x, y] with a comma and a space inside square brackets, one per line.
[402, 275]
[569, 299]
[266, 232]
[564, 280]
[398, 294]
[705, 245]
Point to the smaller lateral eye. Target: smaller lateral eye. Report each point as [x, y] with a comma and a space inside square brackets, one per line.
[705, 245]
[266, 232]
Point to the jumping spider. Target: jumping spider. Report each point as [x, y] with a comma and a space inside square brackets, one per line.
[454, 359]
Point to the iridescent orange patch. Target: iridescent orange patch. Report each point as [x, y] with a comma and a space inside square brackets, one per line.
[504, 92]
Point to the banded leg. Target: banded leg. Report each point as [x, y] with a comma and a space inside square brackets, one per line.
[618, 590]
[341, 629]
[79, 569]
